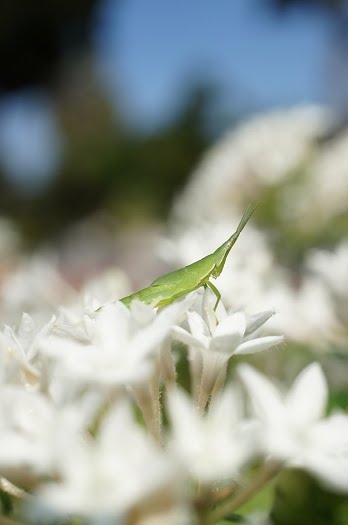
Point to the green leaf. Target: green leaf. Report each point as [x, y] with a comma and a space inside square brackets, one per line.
[300, 500]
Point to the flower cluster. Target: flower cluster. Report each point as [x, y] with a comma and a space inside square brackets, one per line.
[145, 416]
[98, 424]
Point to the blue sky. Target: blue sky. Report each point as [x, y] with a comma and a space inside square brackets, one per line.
[151, 49]
[148, 52]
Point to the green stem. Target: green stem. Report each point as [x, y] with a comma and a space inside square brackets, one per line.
[167, 365]
[147, 397]
[219, 383]
[156, 404]
[196, 365]
[268, 472]
[202, 400]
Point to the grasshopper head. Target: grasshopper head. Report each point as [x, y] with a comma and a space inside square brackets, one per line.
[221, 254]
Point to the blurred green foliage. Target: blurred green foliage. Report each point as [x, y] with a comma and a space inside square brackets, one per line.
[291, 239]
[299, 500]
[105, 165]
[295, 498]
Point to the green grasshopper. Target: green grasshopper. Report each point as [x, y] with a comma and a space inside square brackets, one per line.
[176, 284]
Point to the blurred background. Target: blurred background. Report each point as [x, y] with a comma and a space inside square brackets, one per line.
[132, 136]
[109, 104]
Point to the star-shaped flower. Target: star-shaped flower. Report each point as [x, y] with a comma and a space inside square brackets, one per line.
[121, 347]
[214, 338]
[293, 427]
[210, 447]
[106, 477]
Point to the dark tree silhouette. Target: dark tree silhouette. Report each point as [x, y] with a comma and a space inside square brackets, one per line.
[36, 36]
[283, 4]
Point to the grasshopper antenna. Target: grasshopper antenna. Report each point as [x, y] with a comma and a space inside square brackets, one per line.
[246, 216]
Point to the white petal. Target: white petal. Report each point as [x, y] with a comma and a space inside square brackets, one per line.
[10, 338]
[259, 344]
[43, 333]
[112, 326]
[227, 409]
[116, 421]
[149, 339]
[210, 316]
[265, 398]
[185, 421]
[257, 320]
[26, 329]
[331, 434]
[332, 472]
[197, 326]
[185, 337]
[233, 326]
[141, 312]
[208, 451]
[306, 401]
[327, 456]
[62, 347]
[223, 345]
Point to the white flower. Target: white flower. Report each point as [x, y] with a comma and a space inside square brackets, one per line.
[230, 336]
[32, 429]
[293, 428]
[212, 343]
[21, 417]
[18, 350]
[122, 345]
[75, 323]
[110, 475]
[306, 313]
[211, 447]
[327, 184]
[259, 153]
